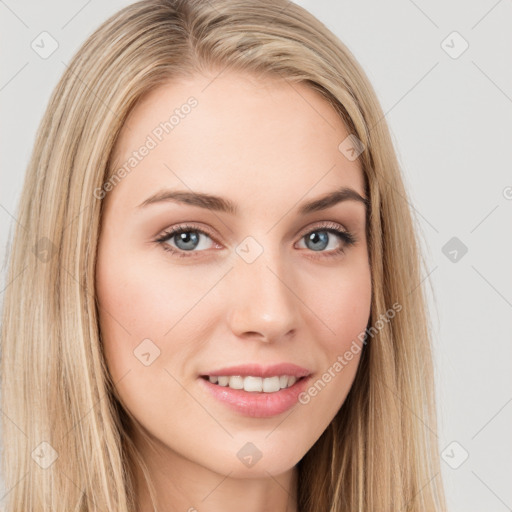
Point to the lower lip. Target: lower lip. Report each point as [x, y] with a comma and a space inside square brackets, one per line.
[257, 405]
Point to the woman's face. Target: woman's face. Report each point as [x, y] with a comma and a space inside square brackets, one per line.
[255, 279]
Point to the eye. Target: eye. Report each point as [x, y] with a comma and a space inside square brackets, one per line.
[321, 238]
[186, 238]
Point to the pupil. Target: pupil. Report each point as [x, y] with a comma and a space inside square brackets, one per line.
[316, 237]
[189, 238]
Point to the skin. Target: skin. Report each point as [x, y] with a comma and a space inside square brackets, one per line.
[268, 147]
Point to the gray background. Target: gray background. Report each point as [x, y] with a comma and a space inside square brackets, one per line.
[450, 117]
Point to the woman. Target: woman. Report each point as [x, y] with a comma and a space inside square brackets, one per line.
[215, 299]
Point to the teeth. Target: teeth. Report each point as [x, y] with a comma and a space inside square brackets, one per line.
[254, 384]
[236, 382]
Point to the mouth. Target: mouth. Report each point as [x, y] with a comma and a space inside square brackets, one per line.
[254, 384]
[255, 396]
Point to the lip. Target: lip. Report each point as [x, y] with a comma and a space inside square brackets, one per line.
[254, 404]
[257, 370]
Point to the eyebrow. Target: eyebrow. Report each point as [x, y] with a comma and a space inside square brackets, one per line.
[220, 204]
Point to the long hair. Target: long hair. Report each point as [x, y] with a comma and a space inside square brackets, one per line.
[66, 439]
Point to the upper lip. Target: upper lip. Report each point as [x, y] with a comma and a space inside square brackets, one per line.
[257, 370]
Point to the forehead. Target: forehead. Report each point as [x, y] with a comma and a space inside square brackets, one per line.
[234, 131]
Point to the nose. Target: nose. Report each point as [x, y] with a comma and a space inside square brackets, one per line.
[263, 304]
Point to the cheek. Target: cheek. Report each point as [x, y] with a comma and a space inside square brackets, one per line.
[141, 302]
[140, 312]
[145, 300]
[343, 309]
[342, 304]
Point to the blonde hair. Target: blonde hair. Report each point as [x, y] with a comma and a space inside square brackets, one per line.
[380, 452]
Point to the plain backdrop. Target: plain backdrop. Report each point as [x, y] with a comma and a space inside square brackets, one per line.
[443, 74]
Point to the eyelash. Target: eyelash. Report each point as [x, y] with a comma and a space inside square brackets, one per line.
[347, 238]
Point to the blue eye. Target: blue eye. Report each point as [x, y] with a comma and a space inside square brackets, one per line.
[187, 238]
[319, 239]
